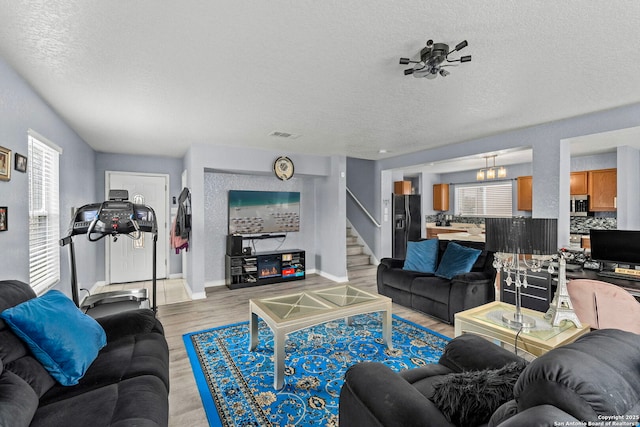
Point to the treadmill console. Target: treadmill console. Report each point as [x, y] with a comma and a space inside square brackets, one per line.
[83, 218]
[112, 218]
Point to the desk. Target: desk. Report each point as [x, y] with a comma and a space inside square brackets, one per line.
[485, 320]
[630, 286]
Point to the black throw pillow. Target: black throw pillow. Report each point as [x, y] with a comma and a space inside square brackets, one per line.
[470, 398]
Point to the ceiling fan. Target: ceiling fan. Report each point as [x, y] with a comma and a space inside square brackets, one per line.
[431, 58]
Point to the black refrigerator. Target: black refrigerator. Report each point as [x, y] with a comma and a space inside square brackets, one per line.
[407, 222]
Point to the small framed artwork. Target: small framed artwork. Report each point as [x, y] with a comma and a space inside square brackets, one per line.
[3, 218]
[20, 163]
[5, 164]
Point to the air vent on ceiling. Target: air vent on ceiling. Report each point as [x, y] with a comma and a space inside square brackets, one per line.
[284, 135]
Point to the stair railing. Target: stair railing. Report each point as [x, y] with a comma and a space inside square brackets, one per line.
[355, 199]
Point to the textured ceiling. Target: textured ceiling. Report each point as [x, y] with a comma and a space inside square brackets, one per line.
[156, 76]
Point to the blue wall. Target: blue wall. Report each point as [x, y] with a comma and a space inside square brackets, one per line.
[325, 193]
[21, 108]
[513, 171]
[359, 174]
[217, 186]
[551, 159]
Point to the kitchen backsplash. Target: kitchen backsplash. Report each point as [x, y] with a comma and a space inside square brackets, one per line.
[455, 218]
[582, 224]
[579, 224]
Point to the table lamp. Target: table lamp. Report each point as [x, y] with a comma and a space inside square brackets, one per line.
[520, 244]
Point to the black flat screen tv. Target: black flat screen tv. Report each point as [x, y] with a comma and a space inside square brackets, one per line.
[256, 212]
[619, 246]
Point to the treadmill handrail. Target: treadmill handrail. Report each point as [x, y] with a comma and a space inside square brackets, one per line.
[68, 241]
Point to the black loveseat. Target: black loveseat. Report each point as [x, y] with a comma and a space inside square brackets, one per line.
[126, 385]
[589, 382]
[437, 296]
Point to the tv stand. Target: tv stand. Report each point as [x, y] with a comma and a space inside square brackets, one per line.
[264, 236]
[262, 268]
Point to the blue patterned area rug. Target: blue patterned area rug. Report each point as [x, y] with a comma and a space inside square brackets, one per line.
[236, 385]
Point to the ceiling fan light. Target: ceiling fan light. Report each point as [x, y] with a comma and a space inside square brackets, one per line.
[461, 45]
[408, 71]
[502, 172]
[465, 58]
[404, 60]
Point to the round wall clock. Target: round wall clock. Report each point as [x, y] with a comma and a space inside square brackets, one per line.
[283, 168]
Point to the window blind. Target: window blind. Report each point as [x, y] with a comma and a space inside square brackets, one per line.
[44, 215]
[485, 200]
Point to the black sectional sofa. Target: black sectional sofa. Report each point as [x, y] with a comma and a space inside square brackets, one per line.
[126, 385]
[593, 381]
[437, 296]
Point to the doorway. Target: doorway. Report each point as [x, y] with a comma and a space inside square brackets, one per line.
[129, 260]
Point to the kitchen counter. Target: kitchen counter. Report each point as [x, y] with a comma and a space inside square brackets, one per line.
[462, 236]
[454, 226]
[457, 230]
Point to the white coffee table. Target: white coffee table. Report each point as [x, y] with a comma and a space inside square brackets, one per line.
[486, 320]
[289, 313]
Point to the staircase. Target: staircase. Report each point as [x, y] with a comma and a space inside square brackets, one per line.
[358, 262]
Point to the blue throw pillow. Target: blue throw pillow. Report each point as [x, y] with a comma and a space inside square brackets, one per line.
[422, 256]
[457, 259]
[65, 340]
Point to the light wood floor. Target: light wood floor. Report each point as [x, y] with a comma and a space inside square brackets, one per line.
[223, 306]
[168, 291]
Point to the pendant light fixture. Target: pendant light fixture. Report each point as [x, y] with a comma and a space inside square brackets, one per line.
[491, 172]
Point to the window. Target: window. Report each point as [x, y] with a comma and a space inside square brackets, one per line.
[44, 213]
[484, 199]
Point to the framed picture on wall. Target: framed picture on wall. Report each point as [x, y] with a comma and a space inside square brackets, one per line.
[5, 164]
[3, 218]
[20, 163]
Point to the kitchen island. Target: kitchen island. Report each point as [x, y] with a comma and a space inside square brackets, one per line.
[455, 231]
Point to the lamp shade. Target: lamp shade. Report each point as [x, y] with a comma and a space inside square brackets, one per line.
[535, 236]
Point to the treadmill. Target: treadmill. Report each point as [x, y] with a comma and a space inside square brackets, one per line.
[112, 218]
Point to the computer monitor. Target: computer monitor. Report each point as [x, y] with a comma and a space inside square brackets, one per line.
[616, 246]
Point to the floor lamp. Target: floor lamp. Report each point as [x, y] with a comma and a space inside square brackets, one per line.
[519, 245]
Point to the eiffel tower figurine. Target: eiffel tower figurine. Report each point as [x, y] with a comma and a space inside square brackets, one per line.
[561, 308]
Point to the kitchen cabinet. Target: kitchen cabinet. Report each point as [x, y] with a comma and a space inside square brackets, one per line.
[525, 193]
[402, 187]
[603, 190]
[578, 184]
[441, 197]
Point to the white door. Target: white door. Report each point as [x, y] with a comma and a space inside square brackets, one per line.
[131, 260]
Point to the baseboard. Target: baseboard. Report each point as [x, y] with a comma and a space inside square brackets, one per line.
[195, 295]
[175, 276]
[199, 295]
[215, 283]
[333, 278]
